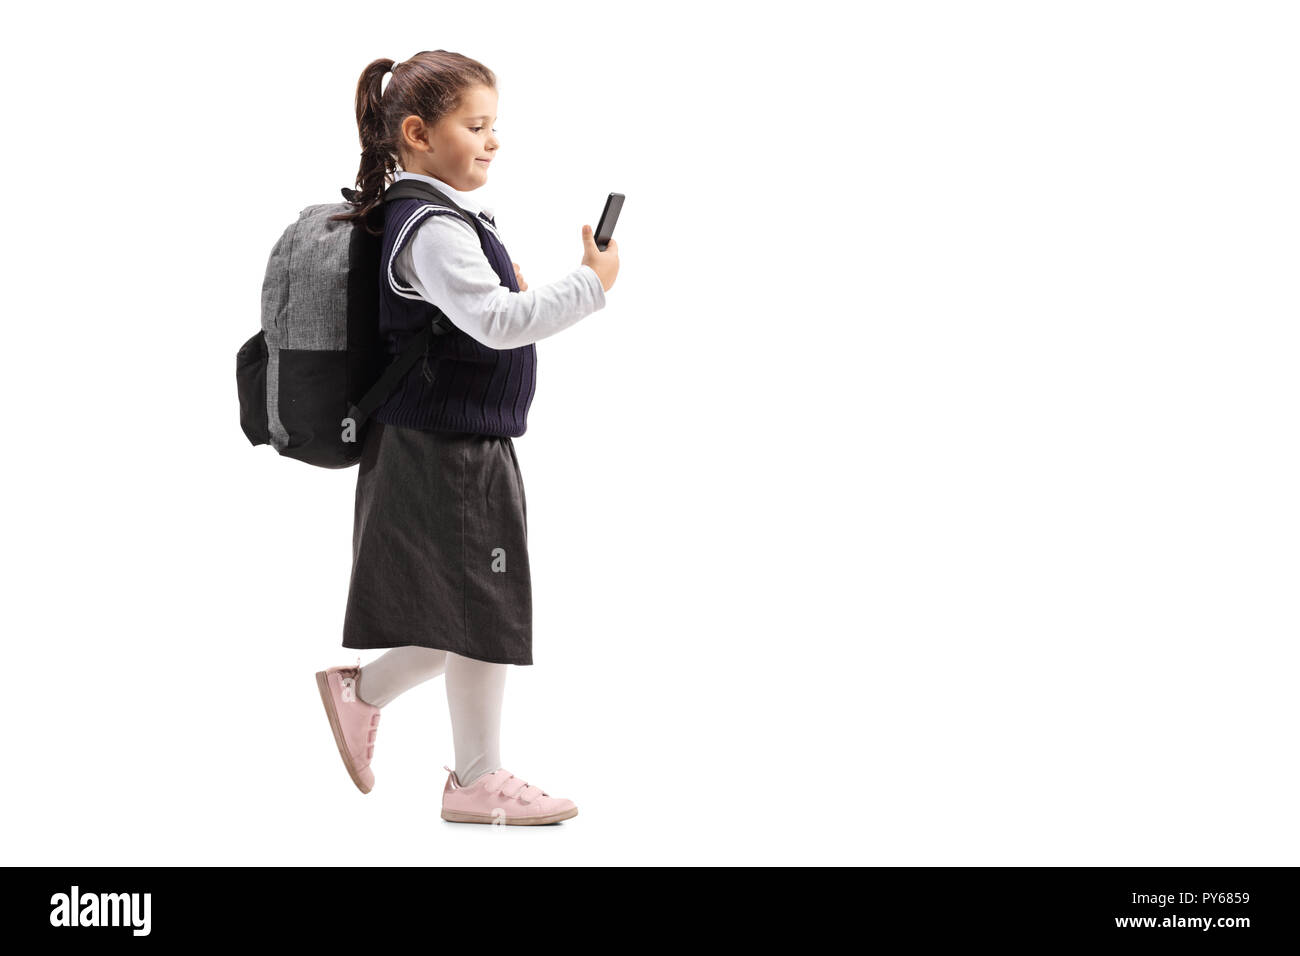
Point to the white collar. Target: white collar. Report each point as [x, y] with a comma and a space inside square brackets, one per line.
[465, 200]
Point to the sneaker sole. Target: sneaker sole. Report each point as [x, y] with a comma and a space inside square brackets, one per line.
[328, 700]
[457, 816]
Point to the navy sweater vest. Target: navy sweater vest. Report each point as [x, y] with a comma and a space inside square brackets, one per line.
[475, 389]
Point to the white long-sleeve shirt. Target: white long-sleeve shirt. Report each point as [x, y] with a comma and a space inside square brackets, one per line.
[444, 262]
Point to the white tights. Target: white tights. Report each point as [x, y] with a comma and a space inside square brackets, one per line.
[475, 690]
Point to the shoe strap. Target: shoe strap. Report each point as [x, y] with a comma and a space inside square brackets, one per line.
[524, 792]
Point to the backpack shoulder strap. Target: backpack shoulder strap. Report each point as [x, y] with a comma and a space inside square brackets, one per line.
[415, 189]
[393, 374]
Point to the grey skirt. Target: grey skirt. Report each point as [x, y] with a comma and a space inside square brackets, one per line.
[440, 546]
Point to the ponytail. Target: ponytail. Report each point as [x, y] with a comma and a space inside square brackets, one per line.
[377, 159]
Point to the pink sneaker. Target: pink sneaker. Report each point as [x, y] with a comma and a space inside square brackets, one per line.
[353, 721]
[501, 797]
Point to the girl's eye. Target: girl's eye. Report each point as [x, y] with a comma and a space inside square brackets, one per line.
[477, 128]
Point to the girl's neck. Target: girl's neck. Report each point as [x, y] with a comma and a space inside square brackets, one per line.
[421, 172]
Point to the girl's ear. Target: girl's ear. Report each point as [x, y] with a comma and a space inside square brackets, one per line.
[414, 134]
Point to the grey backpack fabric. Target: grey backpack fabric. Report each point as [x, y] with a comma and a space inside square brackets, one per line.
[310, 378]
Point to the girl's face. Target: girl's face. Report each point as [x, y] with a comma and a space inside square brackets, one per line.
[458, 148]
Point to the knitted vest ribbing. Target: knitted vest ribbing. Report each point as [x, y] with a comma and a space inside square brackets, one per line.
[475, 388]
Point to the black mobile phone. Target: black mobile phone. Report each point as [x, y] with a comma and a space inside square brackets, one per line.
[608, 219]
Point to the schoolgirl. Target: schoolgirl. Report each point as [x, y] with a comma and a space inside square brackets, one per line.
[440, 573]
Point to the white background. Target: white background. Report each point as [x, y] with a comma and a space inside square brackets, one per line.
[925, 494]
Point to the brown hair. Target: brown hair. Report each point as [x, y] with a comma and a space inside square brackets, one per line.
[430, 85]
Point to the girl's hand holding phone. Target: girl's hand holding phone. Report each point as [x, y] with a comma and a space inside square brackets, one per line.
[604, 263]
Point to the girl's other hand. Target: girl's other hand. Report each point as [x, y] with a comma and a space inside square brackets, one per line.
[519, 277]
[605, 263]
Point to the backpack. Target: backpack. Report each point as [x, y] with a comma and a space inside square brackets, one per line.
[310, 379]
